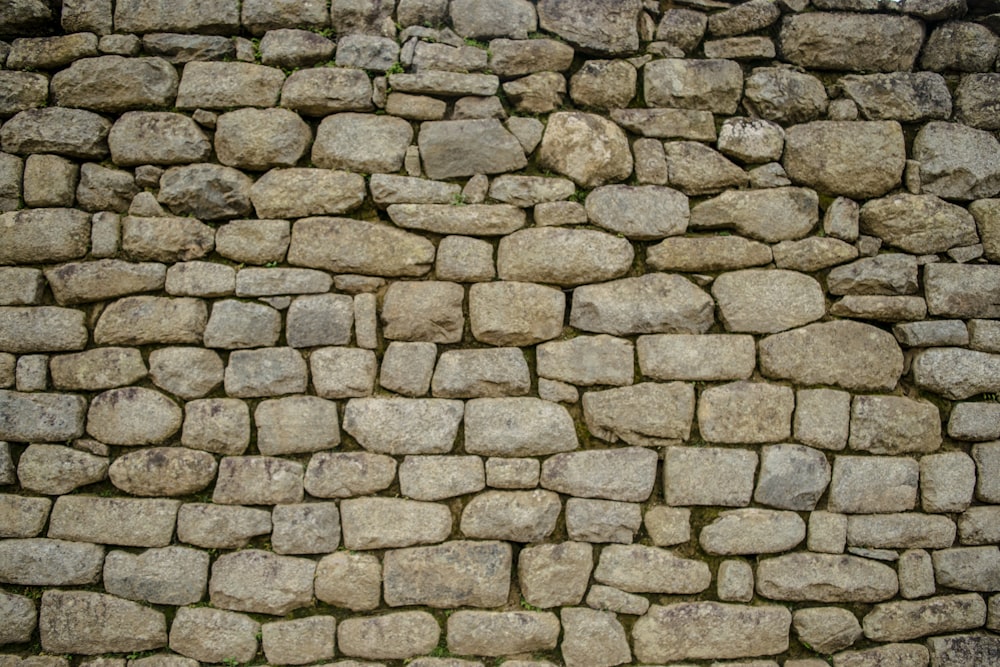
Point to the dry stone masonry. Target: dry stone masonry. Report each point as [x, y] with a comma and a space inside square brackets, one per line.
[536, 332]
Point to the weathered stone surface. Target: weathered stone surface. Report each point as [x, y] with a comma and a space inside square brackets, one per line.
[584, 256]
[785, 95]
[903, 96]
[708, 85]
[102, 189]
[792, 477]
[551, 575]
[918, 224]
[357, 246]
[900, 654]
[240, 324]
[642, 569]
[258, 139]
[29, 417]
[380, 523]
[133, 416]
[42, 329]
[958, 649]
[213, 635]
[868, 484]
[501, 633]
[47, 562]
[601, 521]
[180, 49]
[440, 477]
[218, 425]
[166, 239]
[171, 575]
[299, 641]
[468, 147]
[429, 311]
[200, 279]
[261, 582]
[56, 469]
[453, 574]
[974, 421]
[644, 414]
[653, 303]
[517, 427]
[349, 580]
[515, 313]
[825, 578]
[476, 373]
[208, 85]
[114, 84]
[732, 473]
[886, 273]
[131, 522]
[593, 637]
[625, 474]
[306, 528]
[968, 568]
[82, 282]
[206, 191]
[859, 159]
[707, 253]
[327, 90]
[604, 84]
[745, 412]
[932, 333]
[163, 471]
[445, 84]
[826, 629]
[900, 531]
[395, 636]
[587, 361]
[751, 140]
[959, 290]
[220, 526]
[902, 621]
[947, 482]
[393, 189]
[516, 516]
[258, 480]
[986, 457]
[71, 132]
[404, 426]
[848, 354]
[841, 41]
[710, 630]
[369, 52]
[812, 254]
[956, 161]
[21, 619]
[93, 623]
[22, 516]
[286, 47]
[956, 373]
[43, 235]
[475, 219]
[269, 371]
[21, 91]
[141, 16]
[894, 425]
[960, 45]
[767, 301]
[643, 212]
[297, 193]
[766, 215]
[977, 526]
[587, 148]
[752, 531]
[185, 371]
[340, 138]
[974, 101]
[517, 57]
[595, 26]
[696, 169]
[612, 599]
[296, 424]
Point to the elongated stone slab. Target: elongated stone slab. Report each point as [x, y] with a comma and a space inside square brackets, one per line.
[48, 562]
[404, 426]
[518, 426]
[640, 569]
[453, 574]
[357, 246]
[31, 417]
[129, 522]
[825, 578]
[710, 630]
[625, 474]
[94, 623]
[471, 220]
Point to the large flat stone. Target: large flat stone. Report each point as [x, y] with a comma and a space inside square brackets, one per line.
[641, 569]
[767, 300]
[694, 630]
[215, 17]
[707, 85]
[163, 471]
[297, 193]
[45, 235]
[404, 426]
[395, 636]
[587, 148]
[130, 522]
[501, 633]
[956, 373]
[648, 413]
[454, 574]
[873, 484]
[852, 355]
[625, 474]
[456, 148]
[133, 416]
[515, 516]
[94, 623]
[381, 523]
[260, 581]
[170, 576]
[114, 84]
[852, 42]
[49, 562]
[515, 313]
[71, 132]
[565, 257]
[653, 303]
[825, 578]
[517, 426]
[356, 246]
[31, 417]
[752, 531]
[956, 161]
[918, 224]
[910, 619]
[894, 425]
[962, 290]
[601, 26]
[471, 220]
[696, 357]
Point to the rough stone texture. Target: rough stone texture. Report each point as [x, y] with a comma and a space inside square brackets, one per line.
[122, 521]
[859, 159]
[453, 574]
[516, 516]
[767, 301]
[956, 161]
[731, 476]
[847, 42]
[826, 629]
[501, 633]
[825, 578]
[23, 517]
[261, 582]
[906, 530]
[694, 357]
[515, 313]
[21, 618]
[902, 621]
[766, 215]
[133, 416]
[592, 637]
[745, 412]
[113, 84]
[792, 477]
[395, 636]
[643, 569]
[597, 25]
[654, 303]
[956, 373]
[218, 425]
[165, 239]
[296, 193]
[625, 474]
[212, 635]
[644, 414]
[707, 253]
[710, 629]
[299, 641]
[403, 426]
[968, 568]
[171, 575]
[974, 421]
[49, 562]
[43, 235]
[708, 85]
[785, 95]
[55, 469]
[851, 355]
[565, 257]
[258, 480]
[71, 132]
[475, 373]
[93, 623]
[643, 212]
[873, 484]
[32, 417]
[957, 649]
[206, 191]
[379, 523]
[349, 580]
[918, 224]
[752, 531]
[587, 148]
[296, 424]
[894, 425]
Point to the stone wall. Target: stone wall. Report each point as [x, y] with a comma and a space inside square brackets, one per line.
[583, 332]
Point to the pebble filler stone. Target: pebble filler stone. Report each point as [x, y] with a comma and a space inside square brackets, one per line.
[548, 333]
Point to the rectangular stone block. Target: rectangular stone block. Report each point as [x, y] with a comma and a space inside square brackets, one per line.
[130, 522]
[41, 417]
[453, 574]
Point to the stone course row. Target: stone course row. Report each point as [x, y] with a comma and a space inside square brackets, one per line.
[451, 333]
